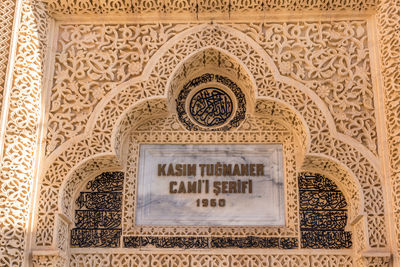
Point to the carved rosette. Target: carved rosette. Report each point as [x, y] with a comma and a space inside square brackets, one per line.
[211, 102]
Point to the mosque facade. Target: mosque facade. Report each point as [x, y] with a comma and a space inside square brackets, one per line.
[200, 133]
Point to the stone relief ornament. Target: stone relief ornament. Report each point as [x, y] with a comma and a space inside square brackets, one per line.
[210, 107]
[388, 16]
[323, 213]
[90, 61]
[313, 187]
[202, 105]
[98, 212]
[6, 23]
[100, 142]
[344, 84]
[132, 94]
[353, 114]
[321, 142]
[19, 137]
[193, 7]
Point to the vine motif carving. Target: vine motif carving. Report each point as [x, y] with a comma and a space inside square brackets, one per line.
[321, 142]
[90, 169]
[64, 7]
[388, 16]
[49, 261]
[211, 59]
[389, 58]
[332, 59]
[344, 84]
[62, 235]
[342, 179]
[90, 61]
[21, 126]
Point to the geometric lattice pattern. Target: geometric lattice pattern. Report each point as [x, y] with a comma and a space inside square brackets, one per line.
[95, 131]
[6, 21]
[389, 37]
[212, 259]
[353, 113]
[98, 217]
[323, 213]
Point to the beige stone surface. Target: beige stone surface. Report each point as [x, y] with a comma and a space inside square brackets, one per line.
[80, 86]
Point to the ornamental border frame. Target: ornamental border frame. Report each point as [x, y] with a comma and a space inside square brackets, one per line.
[126, 84]
[9, 89]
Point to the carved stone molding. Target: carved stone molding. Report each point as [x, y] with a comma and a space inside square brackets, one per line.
[6, 22]
[109, 119]
[49, 259]
[193, 7]
[87, 67]
[182, 259]
[21, 129]
[388, 17]
[96, 83]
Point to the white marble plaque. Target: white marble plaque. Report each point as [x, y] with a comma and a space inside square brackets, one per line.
[210, 185]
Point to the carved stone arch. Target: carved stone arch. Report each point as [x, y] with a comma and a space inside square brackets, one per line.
[214, 60]
[260, 68]
[263, 70]
[141, 111]
[268, 76]
[322, 164]
[323, 212]
[107, 115]
[67, 171]
[78, 176]
[167, 130]
[158, 107]
[340, 174]
[275, 108]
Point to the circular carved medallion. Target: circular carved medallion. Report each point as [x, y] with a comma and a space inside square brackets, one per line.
[211, 107]
[211, 102]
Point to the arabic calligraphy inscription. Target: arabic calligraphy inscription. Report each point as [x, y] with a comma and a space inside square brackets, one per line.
[211, 102]
[211, 107]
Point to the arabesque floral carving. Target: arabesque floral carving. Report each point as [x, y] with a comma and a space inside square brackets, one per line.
[119, 65]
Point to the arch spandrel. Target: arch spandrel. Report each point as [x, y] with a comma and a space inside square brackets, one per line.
[109, 113]
[264, 71]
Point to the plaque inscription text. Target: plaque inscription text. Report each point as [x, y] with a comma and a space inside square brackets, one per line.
[210, 185]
